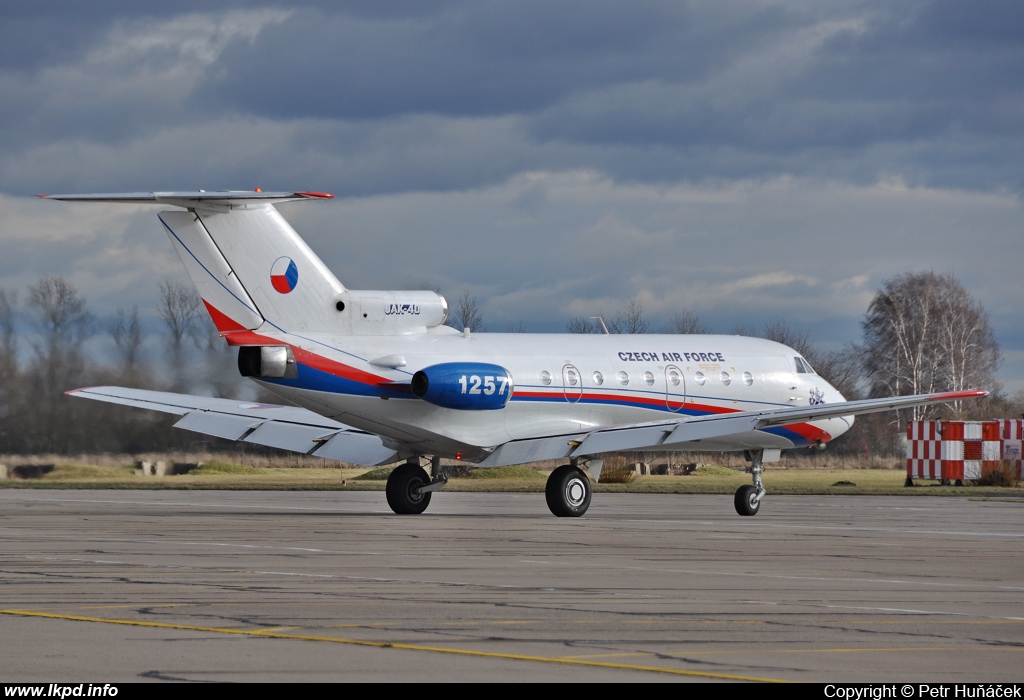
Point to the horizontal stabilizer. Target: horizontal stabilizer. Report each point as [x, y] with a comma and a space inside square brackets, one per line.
[191, 200]
[284, 427]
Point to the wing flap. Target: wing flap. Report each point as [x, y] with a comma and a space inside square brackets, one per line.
[288, 436]
[357, 448]
[217, 424]
[716, 427]
[623, 439]
[532, 450]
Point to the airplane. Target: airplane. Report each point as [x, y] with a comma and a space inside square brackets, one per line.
[376, 377]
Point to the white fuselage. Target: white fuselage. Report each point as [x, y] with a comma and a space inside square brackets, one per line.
[563, 384]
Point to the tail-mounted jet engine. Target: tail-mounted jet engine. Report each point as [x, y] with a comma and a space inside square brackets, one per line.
[270, 361]
[472, 386]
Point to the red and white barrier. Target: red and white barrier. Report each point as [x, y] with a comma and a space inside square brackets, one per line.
[957, 450]
[924, 450]
[1012, 433]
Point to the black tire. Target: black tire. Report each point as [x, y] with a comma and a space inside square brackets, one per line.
[568, 492]
[402, 490]
[746, 500]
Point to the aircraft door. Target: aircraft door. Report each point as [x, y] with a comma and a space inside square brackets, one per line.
[675, 388]
[572, 384]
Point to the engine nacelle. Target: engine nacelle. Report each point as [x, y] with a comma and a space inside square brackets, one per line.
[270, 361]
[381, 313]
[468, 386]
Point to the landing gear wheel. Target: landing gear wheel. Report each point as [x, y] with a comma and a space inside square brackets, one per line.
[747, 502]
[403, 490]
[568, 492]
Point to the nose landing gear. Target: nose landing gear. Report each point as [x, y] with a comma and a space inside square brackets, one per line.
[748, 497]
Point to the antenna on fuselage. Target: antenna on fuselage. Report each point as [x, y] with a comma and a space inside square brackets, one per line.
[601, 321]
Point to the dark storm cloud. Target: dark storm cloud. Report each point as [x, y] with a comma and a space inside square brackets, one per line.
[49, 32]
[472, 59]
[387, 97]
[916, 82]
[659, 91]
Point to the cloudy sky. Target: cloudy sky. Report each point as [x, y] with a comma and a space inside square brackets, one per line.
[751, 161]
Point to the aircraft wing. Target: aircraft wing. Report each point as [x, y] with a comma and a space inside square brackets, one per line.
[669, 433]
[284, 427]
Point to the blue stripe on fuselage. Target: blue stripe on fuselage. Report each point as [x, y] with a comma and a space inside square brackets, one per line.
[318, 380]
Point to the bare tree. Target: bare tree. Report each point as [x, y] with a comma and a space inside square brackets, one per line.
[64, 326]
[782, 332]
[221, 363]
[179, 309]
[63, 321]
[969, 351]
[582, 324]
[9, 374]
[925, 333]
[630, 320]
[687, 323]
[126, 333]
[8, 338]
[840, 368]
[467, 314]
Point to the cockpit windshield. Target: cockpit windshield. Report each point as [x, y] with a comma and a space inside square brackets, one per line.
[803, 366]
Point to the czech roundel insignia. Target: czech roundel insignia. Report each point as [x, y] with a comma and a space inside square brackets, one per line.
[284, 275]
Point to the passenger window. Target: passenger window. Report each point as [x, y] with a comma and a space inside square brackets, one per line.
[623, 378]
[726, 379]
[648, 379]
[598, 378]
[699, 378]
[748, 378]
[545, 377]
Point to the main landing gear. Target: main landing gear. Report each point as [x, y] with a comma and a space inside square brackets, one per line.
[568, 491]
[748, 497]
[409, 487]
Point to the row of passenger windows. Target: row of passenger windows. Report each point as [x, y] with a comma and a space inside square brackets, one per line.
[675, 378]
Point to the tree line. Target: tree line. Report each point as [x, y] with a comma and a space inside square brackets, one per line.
[38, 366]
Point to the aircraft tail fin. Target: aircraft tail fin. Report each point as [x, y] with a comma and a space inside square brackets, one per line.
[248, 264]
[254, 271]
[268, 272]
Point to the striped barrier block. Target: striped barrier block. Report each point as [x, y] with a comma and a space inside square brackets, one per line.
[955, 450]
[1012, 435]
[924, 453]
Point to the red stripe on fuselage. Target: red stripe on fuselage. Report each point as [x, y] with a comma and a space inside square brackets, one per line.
[807, 431]
[237, 334]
